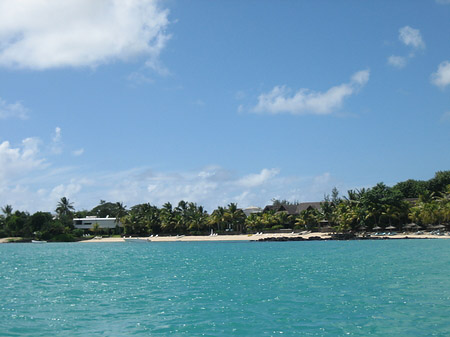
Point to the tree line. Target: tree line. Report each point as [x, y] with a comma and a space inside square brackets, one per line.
[426, 203]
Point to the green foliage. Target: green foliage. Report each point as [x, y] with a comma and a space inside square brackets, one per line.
[39, 220]
[63, 237]
[432, 209]
[143, 219]
[254, 222]
[7, 210]
[64, 208]
[380, 205]
[284, 202]
[3, 233]
[95, 228]
[411, 188]
[439, 182]
[218, 219]
[109, 209]
[328, 208]
[17, 224]
[53, 229]
[78, 233]
[234, 218]
[277, 227]
[347, 216]
[308, 219]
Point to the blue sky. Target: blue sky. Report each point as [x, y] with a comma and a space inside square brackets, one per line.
[219, 101]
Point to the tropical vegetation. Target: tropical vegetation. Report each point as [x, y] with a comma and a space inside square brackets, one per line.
[426, 204]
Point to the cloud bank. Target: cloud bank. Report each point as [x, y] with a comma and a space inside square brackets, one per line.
[44, 34]
[30, 182]
[305, 101]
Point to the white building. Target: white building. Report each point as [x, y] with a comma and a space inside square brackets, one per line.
[252, 209]
[89, 221]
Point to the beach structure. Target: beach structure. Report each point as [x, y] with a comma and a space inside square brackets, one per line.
[252, 209]
[89, 221]
[136, 240]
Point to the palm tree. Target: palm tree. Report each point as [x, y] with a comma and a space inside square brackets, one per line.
[347, 216]
[235, 217]
[268, 219]
[167, 217]
[121, 211]
[64, 207]
[179, 223]
[218, 218]
[283, 219]
[95, 228]
[7, 210]
[254, 222]
[309, 218]
[197, 218]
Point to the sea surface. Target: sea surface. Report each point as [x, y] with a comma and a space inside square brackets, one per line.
[347, 288]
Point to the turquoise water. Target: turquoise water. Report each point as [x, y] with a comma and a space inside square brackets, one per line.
[359, 288]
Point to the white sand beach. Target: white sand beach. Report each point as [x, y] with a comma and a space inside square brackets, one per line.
[246, 237]
[254, 237]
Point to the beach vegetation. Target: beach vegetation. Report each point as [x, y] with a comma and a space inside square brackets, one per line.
[409, 204]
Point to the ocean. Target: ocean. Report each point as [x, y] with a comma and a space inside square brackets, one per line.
[324, 288]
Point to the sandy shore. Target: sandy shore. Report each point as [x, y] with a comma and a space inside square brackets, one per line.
[248, 237]
[253, 237]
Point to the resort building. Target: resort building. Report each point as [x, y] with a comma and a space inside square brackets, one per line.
[252, 209]
[89, 221]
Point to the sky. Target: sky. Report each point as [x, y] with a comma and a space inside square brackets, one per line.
[219, 101]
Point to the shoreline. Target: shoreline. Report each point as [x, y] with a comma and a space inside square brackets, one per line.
[268, 237]
[275, 237]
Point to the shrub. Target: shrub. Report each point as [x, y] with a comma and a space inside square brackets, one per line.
[63, 238]
[277, 227]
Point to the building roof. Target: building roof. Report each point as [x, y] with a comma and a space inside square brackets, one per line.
[93, 218]
[293, 209]
[305, 205]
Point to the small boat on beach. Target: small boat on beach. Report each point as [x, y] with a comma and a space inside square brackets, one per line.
[38, 241]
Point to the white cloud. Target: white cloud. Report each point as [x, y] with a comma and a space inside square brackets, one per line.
[78, 152]
[441, 77]
[12, 110]
[56, 146]
[64, 190]
[411, 37]
[57, 135]
[397, 61]
[443, 2]
[29, 182]
[305, 101]
[21, 160]
[43, 34]
[257, 179]
[211, 187]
